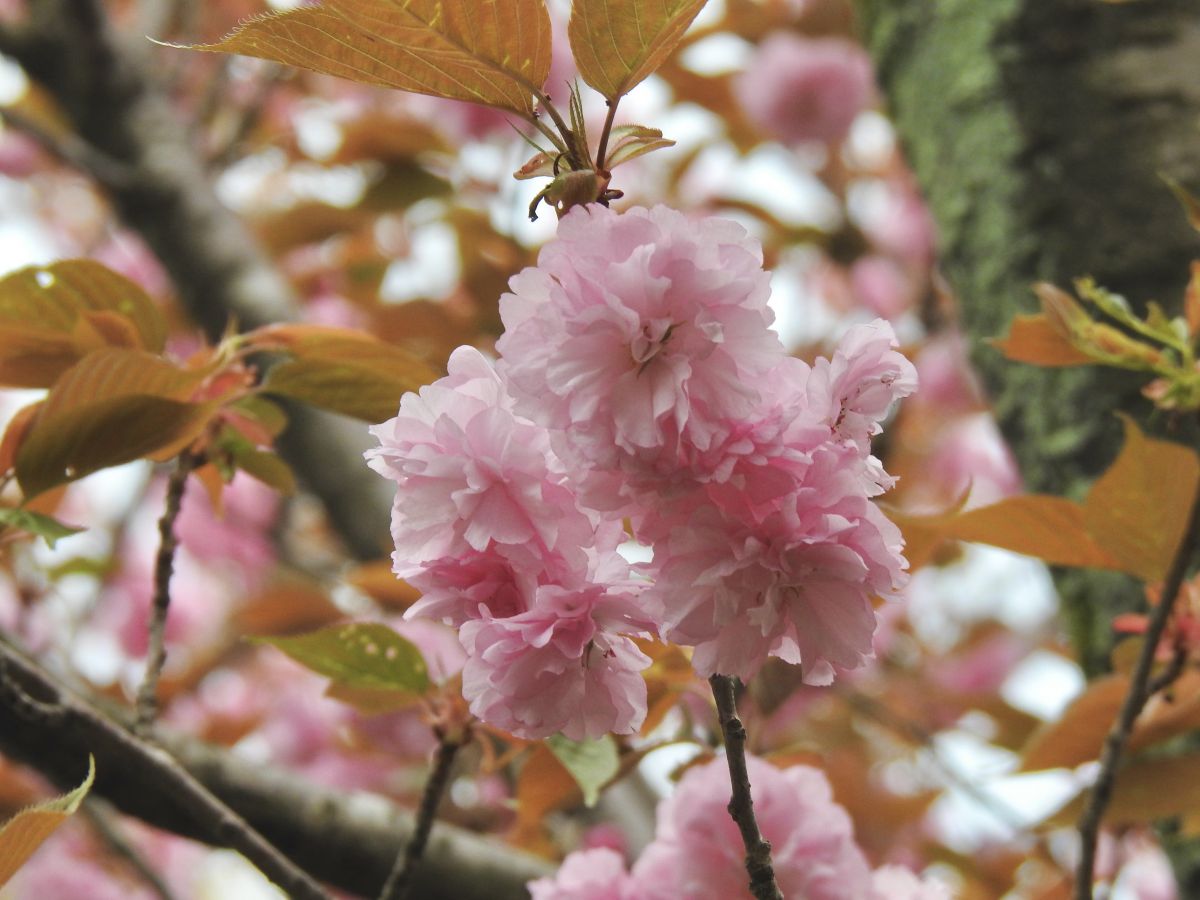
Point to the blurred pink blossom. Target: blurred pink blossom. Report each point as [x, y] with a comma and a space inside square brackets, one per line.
[881, 286]
[806, 89]
[697, 851]
[597, 874]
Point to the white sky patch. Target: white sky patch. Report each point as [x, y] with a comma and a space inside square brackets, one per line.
[1043, 684]
[430, 271]
[717, 54]
[871, 141]
[986, 583]
[317, 130]
[13, 82]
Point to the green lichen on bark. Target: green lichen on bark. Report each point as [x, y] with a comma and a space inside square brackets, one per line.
[1037, 129]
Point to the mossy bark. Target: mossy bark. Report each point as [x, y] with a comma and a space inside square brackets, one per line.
[1039, 131]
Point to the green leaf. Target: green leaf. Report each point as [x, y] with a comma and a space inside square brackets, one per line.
[353, 375]
[494, 52]
[37, 523]
[591, 763]
[29, 829]
[365, 655]
[617, 43]
[111, 407]
[268, 468]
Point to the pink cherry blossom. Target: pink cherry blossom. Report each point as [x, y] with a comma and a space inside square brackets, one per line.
[472, 474]
[806, 89]
[860, 382]
[697, 851]
[797, 586]
[637, 337]
[561, 666]
[597, 874]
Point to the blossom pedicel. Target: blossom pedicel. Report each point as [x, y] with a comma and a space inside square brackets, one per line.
[639, 379]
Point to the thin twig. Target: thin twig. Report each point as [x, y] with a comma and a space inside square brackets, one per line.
[741, 806]
[164, 565]
[399, 880]
[160, 771]
[102, 818]
[1135, 700]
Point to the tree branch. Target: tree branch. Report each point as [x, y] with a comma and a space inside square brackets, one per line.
[160, 773]
[348, 839]
[741, 805]
[400, 879]
[1139, 692]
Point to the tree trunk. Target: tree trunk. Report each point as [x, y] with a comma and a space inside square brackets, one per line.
[1039, 130]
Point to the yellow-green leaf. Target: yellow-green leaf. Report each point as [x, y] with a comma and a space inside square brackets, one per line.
[29, 829]
[592, 764]
[617, 43]
[353, 375]
[52, 315]
[494, 52]
[111, 407]
[366, 655]
[1039, 525]
[1137, 510]
[46, 527]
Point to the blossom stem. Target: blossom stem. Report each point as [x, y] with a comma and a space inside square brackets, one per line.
[602, 148]
[164, 566]
[741, 805]
[1141, 688]
[398, 881]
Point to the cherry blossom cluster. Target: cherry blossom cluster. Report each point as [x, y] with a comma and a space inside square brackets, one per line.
[697, 850]
[640, 392]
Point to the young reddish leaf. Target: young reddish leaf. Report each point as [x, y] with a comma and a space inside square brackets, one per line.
[1146, 790]
[1049, 528]
[543, 786]
[494, 52]
[592, 764]
[617, 43]
[1078, 734]
[366, 655]
[53, 297]
[1033, 339]
[14, 435]
[29, 829]
[1137, 510]
[46, 527]
[354, 375]
[106, 433]
[111, 407]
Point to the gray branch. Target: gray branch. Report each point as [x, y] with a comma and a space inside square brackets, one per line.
[347, 839]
